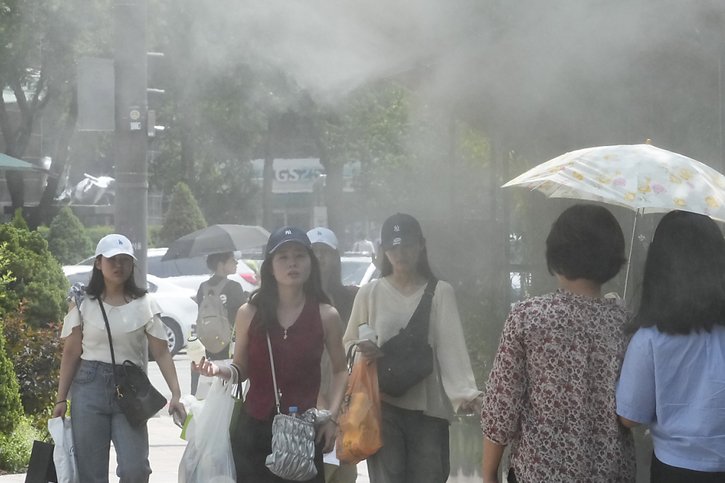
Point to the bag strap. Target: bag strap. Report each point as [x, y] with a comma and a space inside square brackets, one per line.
[274, 376]
[420, 319]
[110, 344]
[216, 289]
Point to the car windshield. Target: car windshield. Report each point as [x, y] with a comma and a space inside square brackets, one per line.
[353, 269]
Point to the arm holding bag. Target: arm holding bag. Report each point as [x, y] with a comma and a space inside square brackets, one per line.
[360, 420]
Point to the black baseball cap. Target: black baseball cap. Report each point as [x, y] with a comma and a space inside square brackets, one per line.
[400, 229]
[286, 234]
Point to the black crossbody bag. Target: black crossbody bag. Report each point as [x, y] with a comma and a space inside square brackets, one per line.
[136, 396]
[408, 357]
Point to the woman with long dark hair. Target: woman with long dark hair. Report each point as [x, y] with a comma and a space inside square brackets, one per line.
[673, 377]
[86, 371]
[415, 424]
[291, 307]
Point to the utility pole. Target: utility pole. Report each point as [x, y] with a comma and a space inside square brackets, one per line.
[130, 141]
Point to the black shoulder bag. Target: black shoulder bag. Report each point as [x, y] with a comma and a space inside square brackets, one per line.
[135, 395]
[408, 357]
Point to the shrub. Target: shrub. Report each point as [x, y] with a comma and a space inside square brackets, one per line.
[35, 353]
[11, 408]
[67, 238]
[15, 447]
[183, 215]
[38, 278]
[95, 233]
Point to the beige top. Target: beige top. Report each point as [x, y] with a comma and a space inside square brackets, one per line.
[386, 310]
[129, 325]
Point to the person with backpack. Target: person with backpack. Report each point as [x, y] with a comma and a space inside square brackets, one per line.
[218, 299]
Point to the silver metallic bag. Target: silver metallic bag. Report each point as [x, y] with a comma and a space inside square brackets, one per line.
[293, 448]
[293, 441]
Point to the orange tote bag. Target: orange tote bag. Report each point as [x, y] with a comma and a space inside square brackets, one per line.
[360, 434]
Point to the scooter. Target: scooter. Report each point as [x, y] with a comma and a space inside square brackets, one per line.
[94, 190]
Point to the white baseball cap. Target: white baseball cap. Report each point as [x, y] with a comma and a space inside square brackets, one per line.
[323, 235]
[114, 244]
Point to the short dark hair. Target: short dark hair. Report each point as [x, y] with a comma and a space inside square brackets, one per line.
[586, 242]
[682, 287]
[215, 259]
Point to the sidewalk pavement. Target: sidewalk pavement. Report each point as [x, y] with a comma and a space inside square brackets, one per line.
[165, 451]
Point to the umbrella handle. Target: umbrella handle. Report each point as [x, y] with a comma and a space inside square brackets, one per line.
[629, 257]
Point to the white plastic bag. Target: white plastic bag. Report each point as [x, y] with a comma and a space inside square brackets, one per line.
[64, 453]
[208, 455]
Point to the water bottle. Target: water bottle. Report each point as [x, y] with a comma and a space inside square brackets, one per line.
[293, 411]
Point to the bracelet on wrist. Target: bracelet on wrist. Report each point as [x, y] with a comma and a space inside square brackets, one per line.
[62, 401]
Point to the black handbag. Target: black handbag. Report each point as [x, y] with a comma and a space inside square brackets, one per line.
[135, 395]
[408, 357]
[41, 468]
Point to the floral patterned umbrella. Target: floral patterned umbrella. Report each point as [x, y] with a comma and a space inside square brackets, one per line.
[640, 177]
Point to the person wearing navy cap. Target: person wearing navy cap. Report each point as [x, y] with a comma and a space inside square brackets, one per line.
[291, 307]
[415, 424]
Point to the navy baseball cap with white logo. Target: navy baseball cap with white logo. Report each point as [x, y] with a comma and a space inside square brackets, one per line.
[400, 229]
[286, 234]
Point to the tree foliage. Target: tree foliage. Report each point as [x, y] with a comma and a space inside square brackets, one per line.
[183, 216]
[38, 278]
[10, 406]
[35, 353]
[67, 238]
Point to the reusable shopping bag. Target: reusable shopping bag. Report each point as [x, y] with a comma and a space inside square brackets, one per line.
[64, 456]
[360, 420]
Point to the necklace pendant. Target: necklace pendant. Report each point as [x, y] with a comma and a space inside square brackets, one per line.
[285, 334]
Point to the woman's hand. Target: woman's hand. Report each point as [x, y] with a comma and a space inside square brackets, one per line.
[206, 367]
[60, 409]
[473, 406]
[177, 410]
[326, 435]
[369, 349]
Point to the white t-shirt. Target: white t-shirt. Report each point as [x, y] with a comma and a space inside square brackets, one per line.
[129, 325]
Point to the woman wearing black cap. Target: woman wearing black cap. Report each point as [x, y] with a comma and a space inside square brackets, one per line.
[415, 424]
[291, 307]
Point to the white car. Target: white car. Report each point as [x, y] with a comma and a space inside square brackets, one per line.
[178, 309]
[357, 269]
[190, 272]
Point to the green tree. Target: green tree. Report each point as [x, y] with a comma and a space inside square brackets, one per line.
[38, 278]
[183, 215]
[11, 408]
[67, 238]
[37, 71]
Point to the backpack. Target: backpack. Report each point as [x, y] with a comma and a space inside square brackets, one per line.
[212, 322]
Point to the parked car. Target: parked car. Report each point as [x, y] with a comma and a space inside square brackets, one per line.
[178, 309]
[190, 272]
[354, 268]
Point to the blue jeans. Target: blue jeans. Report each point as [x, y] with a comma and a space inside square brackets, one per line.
[97, 420]
[415, 448]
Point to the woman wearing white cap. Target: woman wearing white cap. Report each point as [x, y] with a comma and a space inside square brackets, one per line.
[86, 375]
[292, 314]
[324, 245]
